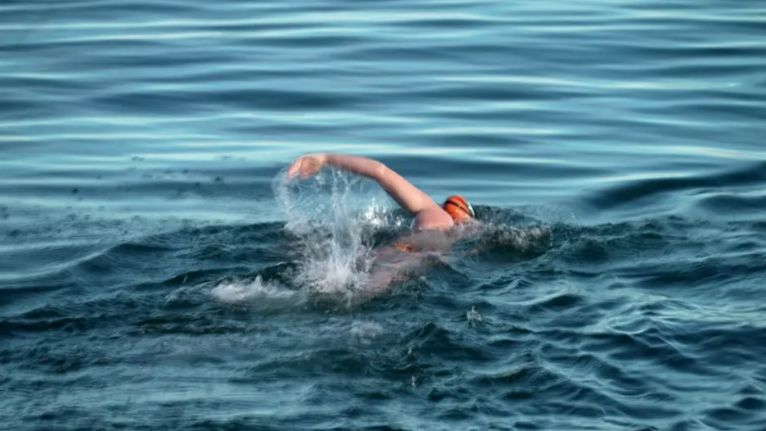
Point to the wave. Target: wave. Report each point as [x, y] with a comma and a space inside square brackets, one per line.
[638, 190]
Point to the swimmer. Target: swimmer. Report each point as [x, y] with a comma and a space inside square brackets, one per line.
[432, 224]
[427, 214]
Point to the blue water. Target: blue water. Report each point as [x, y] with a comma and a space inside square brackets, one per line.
[151, 278]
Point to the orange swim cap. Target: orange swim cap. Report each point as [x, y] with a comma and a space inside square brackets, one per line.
[459, 209]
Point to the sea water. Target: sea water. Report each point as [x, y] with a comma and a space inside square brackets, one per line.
[157, 272]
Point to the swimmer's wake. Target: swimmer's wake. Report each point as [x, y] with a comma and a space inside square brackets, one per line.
[345, 244]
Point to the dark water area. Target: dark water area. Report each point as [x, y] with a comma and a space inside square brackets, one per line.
[157, 273]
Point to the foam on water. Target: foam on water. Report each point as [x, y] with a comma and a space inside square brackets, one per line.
[365, 332]
[236, 292]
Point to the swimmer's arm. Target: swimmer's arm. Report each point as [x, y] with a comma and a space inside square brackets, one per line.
[402, 191]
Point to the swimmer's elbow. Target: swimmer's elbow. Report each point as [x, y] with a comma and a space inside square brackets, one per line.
[380, 171]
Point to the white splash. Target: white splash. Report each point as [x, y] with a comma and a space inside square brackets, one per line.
[238, 292]
[473, 316]
[332, 229]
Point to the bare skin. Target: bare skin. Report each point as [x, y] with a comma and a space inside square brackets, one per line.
[428, 214]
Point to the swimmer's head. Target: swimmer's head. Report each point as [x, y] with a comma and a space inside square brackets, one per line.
[459, 209]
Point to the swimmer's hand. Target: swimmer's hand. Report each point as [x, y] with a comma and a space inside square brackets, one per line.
[307, 165]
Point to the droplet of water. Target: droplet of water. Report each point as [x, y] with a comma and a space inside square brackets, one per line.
[473, 316]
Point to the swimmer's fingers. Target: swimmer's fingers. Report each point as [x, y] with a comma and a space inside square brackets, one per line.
[306, 166]
[293, 169]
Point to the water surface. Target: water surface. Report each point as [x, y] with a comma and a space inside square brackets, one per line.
[614, 150]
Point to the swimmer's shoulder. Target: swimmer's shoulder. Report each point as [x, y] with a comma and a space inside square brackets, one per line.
[432, 219]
